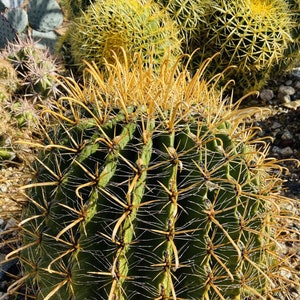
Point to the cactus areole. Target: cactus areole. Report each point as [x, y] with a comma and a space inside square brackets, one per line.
[147, 189]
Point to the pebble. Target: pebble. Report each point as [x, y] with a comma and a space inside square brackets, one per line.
[266, 95]
[276, 125]
[283, 152]
[286, 99]
[296, 72]
[289, 82]
[286, 90]
[286, 151]
[11, 223]
[297, 85]
[283, 91]
[286, 135]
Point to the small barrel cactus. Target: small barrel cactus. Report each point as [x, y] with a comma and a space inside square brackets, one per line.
[149, 187]
[251, 35]
[33, 82]
[135, 25]
[35, 68]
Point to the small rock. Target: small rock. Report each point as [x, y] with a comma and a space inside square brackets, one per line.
[289, 82]
[10, 223]
[297, 85]
[276, 125]
[286, 90]
[296, 72]
[266, 95]
[286, 152]
[276, 149]
[286, 99]
[286, 135]
[283, 152]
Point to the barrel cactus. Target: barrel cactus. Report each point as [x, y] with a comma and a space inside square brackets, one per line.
[35, 68]
[135, 25]
[149, 187]
[251, 35]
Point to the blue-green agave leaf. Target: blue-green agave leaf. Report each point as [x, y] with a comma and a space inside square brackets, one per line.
[18, 19]
[7, 32]
[44, 16]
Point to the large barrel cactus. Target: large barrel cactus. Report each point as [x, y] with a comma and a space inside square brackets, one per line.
[149, 187]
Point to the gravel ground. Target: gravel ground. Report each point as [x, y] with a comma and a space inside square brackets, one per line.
[282, 97]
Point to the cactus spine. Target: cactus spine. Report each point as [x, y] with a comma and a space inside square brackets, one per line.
[148, 187]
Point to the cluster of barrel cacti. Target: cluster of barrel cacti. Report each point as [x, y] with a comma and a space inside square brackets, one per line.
[253, 37]
[147, 183]
[40, 17]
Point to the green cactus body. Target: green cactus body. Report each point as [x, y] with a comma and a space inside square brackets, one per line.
[145, 189]
[136, 26]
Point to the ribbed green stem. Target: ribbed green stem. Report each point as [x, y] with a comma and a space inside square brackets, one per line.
[141, 210]
[124, 231]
